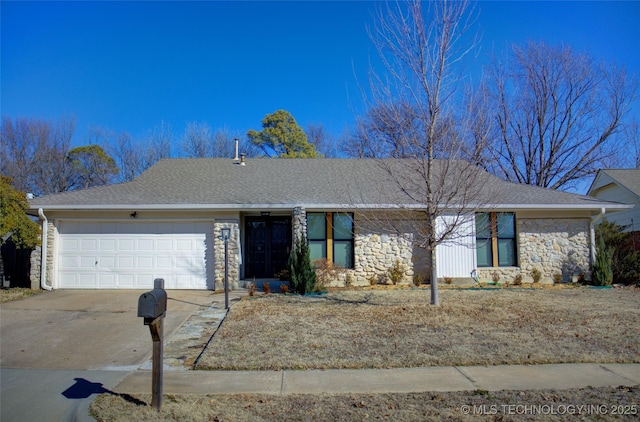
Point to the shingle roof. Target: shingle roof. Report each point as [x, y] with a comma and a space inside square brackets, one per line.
[629, 178]
[220, 183]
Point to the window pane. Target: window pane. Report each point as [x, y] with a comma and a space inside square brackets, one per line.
[342, 226]
[506, 226]
[483, 248]
[316, 226]
[506, 252]
[483, 225]
[343, 254]
[317, 249]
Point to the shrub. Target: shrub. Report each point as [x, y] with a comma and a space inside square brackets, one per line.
[602, 272]
[326, 272]
[448, 280]
[418, 279]
[302, 275]
[625, 261]
[252, 288]
[517, 280]
[495, 276]
[348, 280]
[557, 278]
[266, 288]
[284, 288]
[396, 273]
[536, 275]
[282, 275]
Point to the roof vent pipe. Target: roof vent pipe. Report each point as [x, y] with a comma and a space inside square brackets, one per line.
[242, 159]
[235, 157]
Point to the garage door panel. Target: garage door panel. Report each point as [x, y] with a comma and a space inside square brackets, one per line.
[145, 263]
[146, 244]
[132, 255]
[108, 262]
[87, 280]
[126, 280]
[165, 245]
[126, 245]
[107, 245]
[87, 262]
[89, 244]
[69, 262]
[126, 262]
[107, 281]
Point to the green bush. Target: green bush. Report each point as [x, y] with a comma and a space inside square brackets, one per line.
[625, 261]
[602, 273]
[302, 275]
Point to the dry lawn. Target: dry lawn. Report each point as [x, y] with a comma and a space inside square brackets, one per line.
[544, 405]
[398, 328]
[16, 293]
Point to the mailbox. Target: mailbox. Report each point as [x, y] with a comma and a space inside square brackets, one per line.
[153, 304]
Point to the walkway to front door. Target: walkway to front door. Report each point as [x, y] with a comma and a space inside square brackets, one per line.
[268, 242]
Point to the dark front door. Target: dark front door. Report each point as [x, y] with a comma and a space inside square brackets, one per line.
[268, 242]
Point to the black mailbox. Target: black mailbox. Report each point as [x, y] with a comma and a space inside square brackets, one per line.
[152, 304]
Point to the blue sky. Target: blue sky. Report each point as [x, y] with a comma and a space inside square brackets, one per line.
[128, 66]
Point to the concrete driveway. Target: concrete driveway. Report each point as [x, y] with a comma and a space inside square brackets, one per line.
[86, 329]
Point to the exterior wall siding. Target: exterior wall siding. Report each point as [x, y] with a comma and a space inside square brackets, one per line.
[233, 255]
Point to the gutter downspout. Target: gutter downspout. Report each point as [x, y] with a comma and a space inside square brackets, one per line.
[43, 259]
[594, 221]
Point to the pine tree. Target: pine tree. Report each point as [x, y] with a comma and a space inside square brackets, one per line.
[602, 273]
[302, 275]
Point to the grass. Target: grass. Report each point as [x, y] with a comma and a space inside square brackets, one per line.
[16, 293]
[598, 404]
[398, 328]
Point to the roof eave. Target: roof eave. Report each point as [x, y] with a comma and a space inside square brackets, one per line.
[325, 206]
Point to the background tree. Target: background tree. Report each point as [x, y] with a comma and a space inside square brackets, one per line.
[321, 140]
[282, 137]
[14, 222]
[91, 166]
[197, 140]
[134, 156]
[412, 115]
[33, 154]
[556, 114]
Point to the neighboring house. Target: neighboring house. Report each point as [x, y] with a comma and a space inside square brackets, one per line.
[167, 222]
[620, 185]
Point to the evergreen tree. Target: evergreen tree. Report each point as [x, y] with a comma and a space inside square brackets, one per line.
[281, 135]
[602, 273]
[302, 275]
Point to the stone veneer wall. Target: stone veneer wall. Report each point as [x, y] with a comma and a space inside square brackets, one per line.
[299, 223]
[553, 246]
[34, 275]
[375, 251]
[233, 255]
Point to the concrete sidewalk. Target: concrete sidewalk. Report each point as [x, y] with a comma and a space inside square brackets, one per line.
[402, 380]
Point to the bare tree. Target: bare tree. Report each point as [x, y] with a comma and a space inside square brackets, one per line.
[134, 156]
[556, 114]
[321, 140]
[33, 152]
[197, 140]
[632, 141]
[158, 144]
[412, 115]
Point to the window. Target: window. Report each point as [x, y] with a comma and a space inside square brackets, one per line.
[330, 236]
[496, 239]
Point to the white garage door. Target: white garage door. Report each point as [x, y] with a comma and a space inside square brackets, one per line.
[132, 255]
